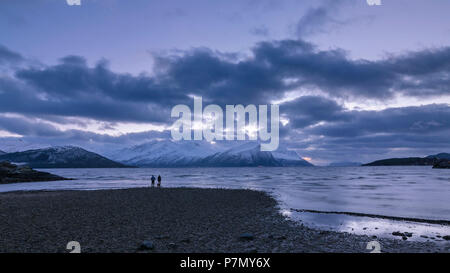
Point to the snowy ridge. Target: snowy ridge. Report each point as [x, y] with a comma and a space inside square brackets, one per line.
[169, 153]
[165, 153]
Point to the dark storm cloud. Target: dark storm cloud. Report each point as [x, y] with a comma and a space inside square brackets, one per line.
[427, 72]
[331, 70]
[418, 120]
[22, 126]
[72, 88]
[17, 98]
[221, 80]
[309, 110]
[73, 78]
[262, 77]
[8, 56]
[393, 141]
[393, 132]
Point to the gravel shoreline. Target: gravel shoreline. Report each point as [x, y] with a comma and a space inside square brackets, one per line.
[170, 220]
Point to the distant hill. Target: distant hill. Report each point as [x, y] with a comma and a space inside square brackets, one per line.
[344, 164]
[61, 157]
[411, 161]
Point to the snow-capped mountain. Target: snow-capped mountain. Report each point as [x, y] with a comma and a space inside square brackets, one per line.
[169, 153]
[165, 153]
[61, 157]
[289, 158]
[249, 154]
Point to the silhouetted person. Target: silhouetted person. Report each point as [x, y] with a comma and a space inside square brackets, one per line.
[153, 180]
[159, 180]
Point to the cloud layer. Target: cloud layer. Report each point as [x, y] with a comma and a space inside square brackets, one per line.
[34, 98]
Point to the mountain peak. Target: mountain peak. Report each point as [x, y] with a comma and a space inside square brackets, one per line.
[61, 157]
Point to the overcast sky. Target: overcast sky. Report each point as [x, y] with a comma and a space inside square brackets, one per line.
[356, 82]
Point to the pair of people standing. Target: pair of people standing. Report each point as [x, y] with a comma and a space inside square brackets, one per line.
[153, 180]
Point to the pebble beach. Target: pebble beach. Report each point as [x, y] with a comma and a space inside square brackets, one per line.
[181, 220]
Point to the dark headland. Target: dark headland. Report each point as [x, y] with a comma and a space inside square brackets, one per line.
[168, 220]
[11, 173]
[441, 160]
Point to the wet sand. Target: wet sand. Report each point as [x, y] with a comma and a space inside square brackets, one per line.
[172, 220]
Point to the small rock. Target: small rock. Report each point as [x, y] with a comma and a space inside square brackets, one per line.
[172, 245]
[405, 238]
[424, 236]
[146, 245]
[364, 228]
[446, 237]
[397, 233]
[408, 234]
[246, 237]
[374, 237]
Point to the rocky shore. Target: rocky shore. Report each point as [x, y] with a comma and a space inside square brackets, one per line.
[442, 164]
[11, 173]
[168, 220]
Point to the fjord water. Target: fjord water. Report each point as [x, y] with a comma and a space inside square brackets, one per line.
[403, 191]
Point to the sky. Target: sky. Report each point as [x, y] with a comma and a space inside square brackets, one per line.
[354, 82]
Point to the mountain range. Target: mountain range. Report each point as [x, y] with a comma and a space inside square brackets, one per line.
[164, 153]
[167, 153]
